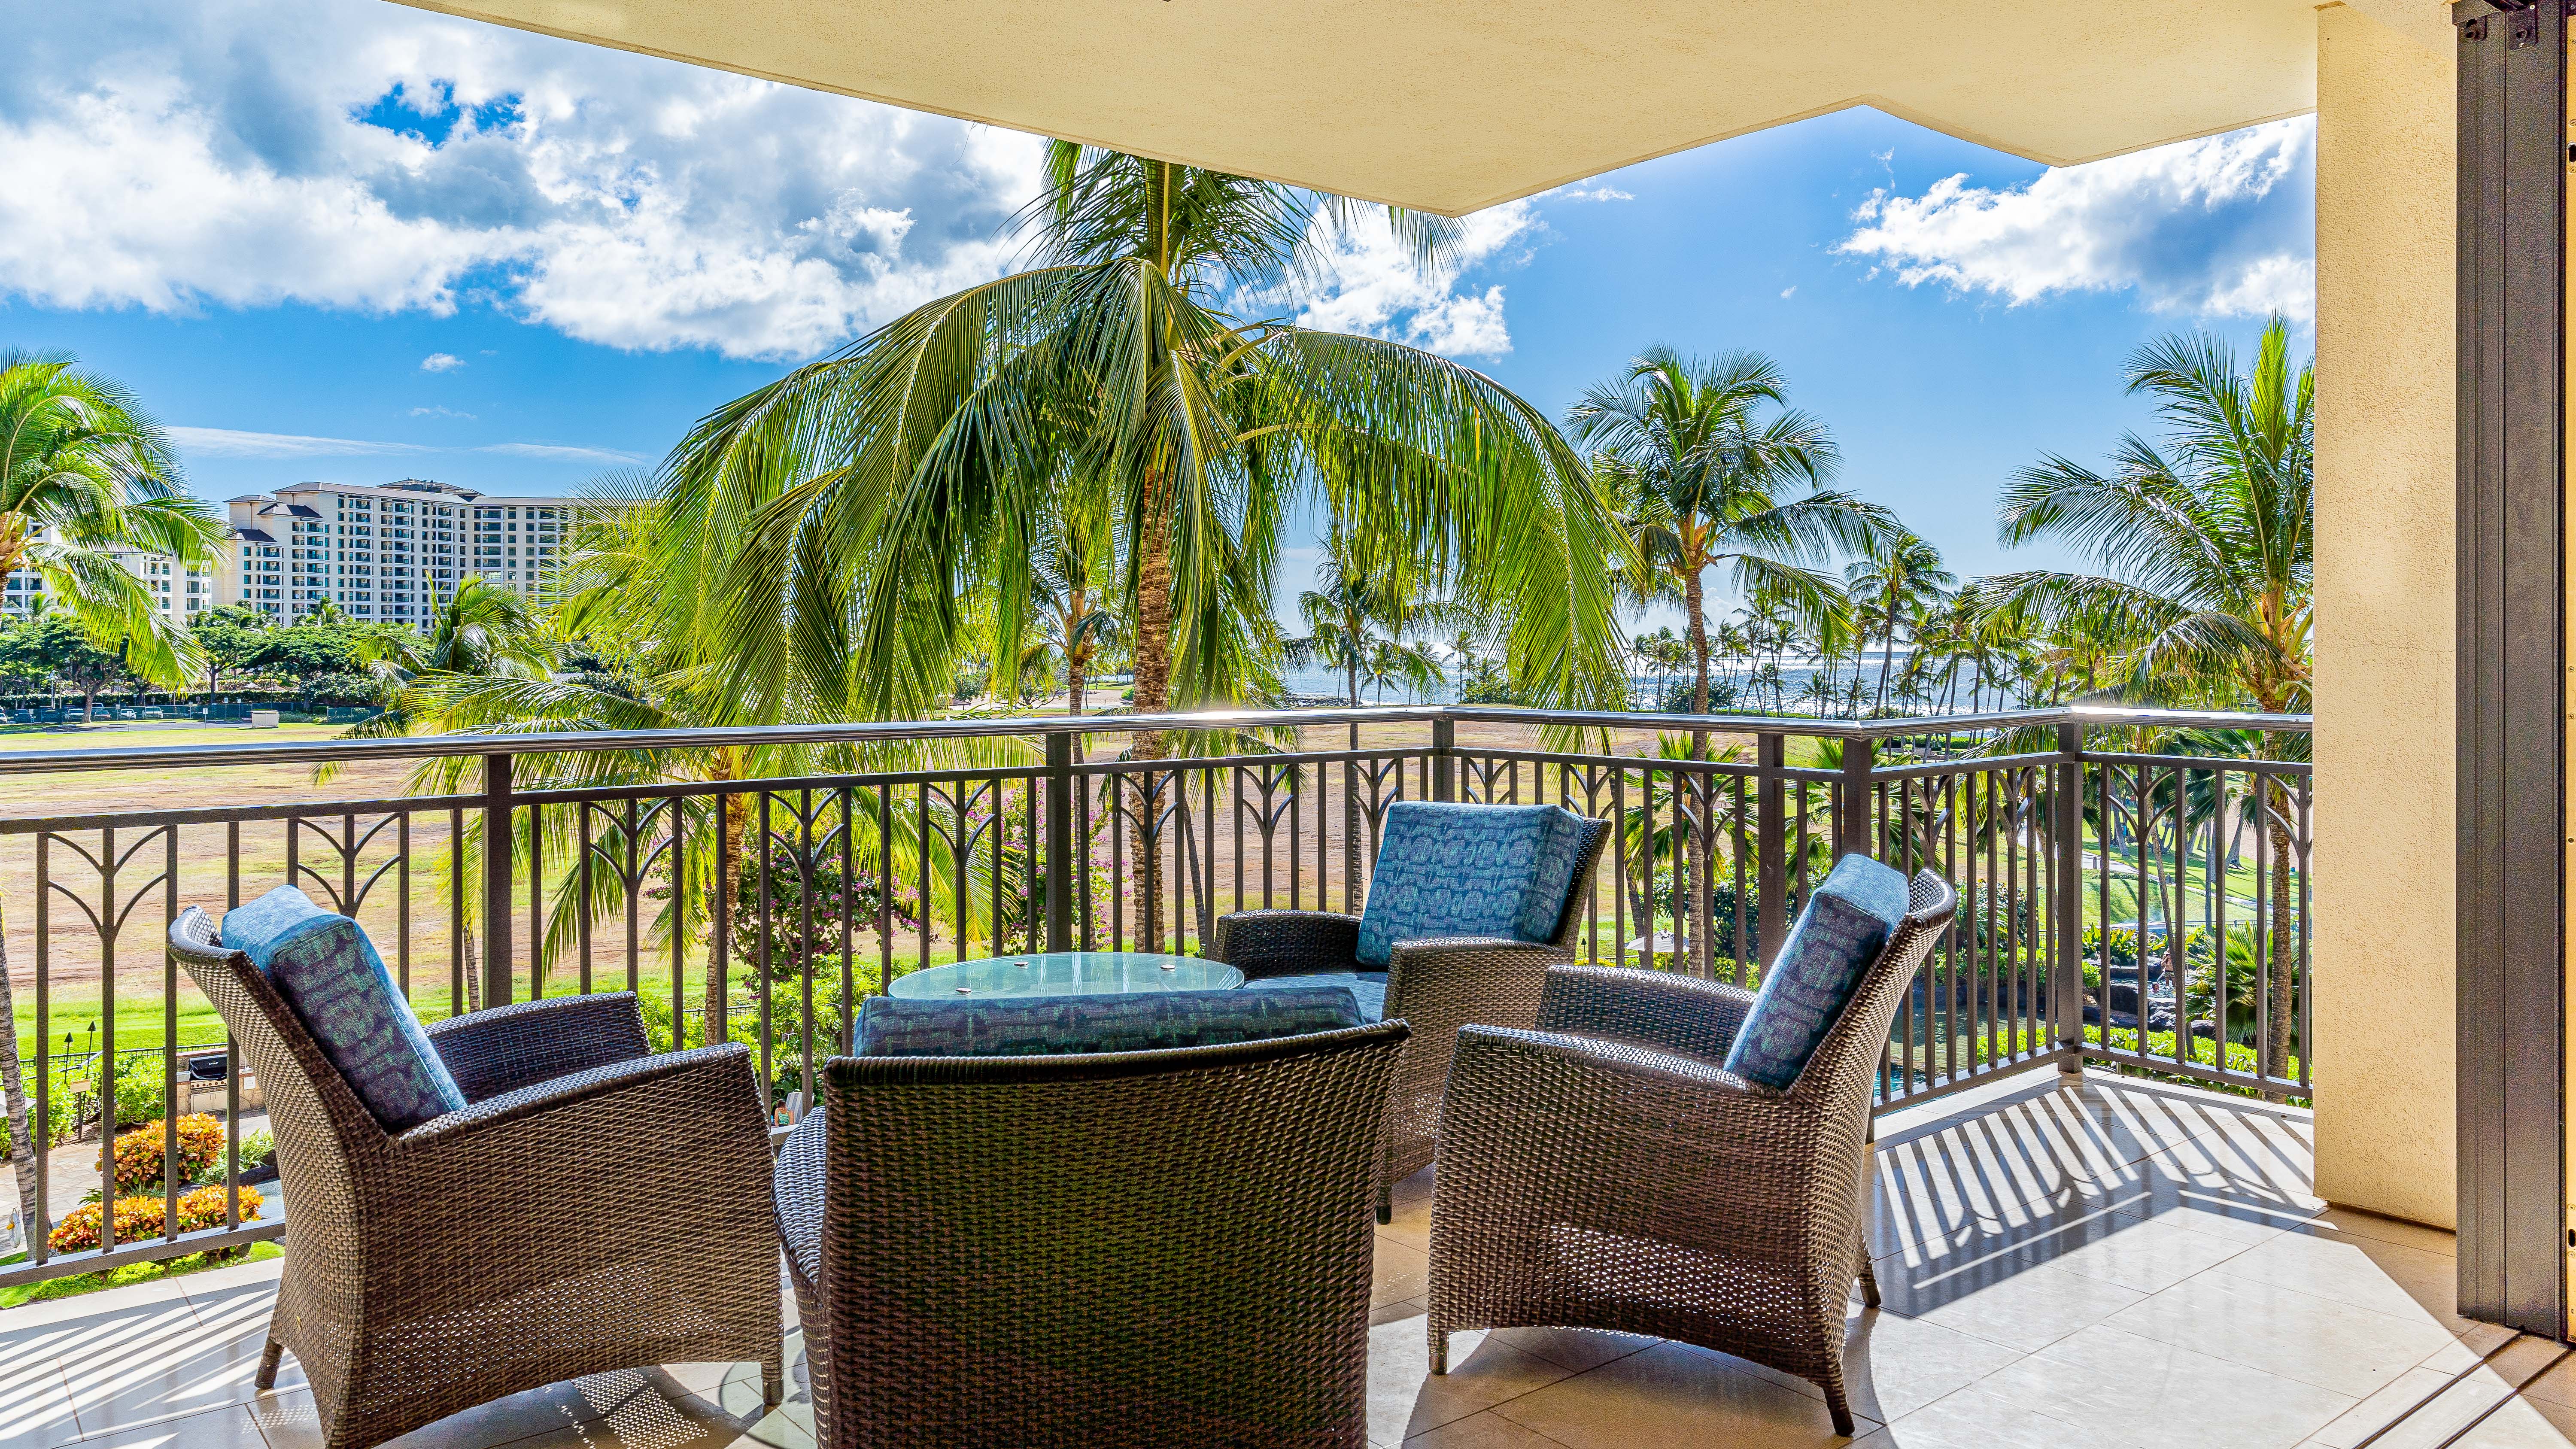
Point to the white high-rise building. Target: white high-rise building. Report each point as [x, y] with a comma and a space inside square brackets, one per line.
[179, 593]
[386, 551]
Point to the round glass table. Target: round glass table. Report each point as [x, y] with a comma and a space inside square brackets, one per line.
[1068, 973]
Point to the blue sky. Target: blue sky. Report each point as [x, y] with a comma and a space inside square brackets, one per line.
[341, 239]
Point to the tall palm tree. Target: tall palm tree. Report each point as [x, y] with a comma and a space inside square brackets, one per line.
[84, 474]
[1703, 478]
[869, 491]
[1069, 582]
[1897, 578]
[2205, 551]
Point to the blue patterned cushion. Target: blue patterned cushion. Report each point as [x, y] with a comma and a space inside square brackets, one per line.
[1845, 925]
[1368, 988]
[331, 976]
[1134, 1021]
[1551, 876]
[1461, 870]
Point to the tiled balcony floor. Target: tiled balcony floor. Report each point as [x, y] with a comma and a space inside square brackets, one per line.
[2118, 1263]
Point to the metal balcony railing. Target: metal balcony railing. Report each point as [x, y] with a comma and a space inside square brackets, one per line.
[2122, 901]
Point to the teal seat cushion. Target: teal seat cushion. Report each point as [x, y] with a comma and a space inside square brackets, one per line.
[1846, 924]
[337, 985]
[1448, 869]
[1368, 988]
[1135, 1021]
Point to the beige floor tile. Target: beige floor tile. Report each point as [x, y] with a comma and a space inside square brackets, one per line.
[158, 1363]
[2464, 1351]
[2525, 1423]
[2006, 1300]
[35, 1406]
[2360, 1224]
[2366, 1272]
[1482, 1431]
[1670, 1397]
[2252, 1158]
[1578, 1349]
[1410, 1223]
[1402, 1272]
[230, 1427]
[2147, 1254]
[1405, 1398]
[1390, 1312]
[1977, 1418]
[2161, 1396]
[2557, 1384]
[2381, 1412]
[1894, 1365]
[2333, 1345]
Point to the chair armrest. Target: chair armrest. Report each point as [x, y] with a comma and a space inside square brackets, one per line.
[1654, 1009]
[670, 1075]
[1287, 943]
[510, 1047]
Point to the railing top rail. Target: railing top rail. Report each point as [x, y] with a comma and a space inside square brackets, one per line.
[419, 747]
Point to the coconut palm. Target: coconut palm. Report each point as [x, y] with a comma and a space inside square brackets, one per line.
[1363, 604]
[2205, 552]
[86, 474]
[1069, 585]
[861, 496]
[1897, 578]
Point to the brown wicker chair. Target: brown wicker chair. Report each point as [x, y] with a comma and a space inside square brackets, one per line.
[1605, 1171]
[593, 1208]
[1435, 986]
[1153, 1248]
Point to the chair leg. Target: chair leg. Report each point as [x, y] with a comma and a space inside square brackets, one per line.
[1840, 1408]
[268, 1357]
[1440, 1351]
[1385, 1202]
[773, 1382]
[1868, 1279]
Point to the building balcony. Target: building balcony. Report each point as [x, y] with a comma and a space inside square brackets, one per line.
[2078, 1240]
[2096, 1260]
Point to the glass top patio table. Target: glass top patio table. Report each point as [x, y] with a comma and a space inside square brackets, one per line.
[1068, 973]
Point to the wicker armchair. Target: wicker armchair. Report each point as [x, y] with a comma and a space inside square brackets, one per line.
[594, 1207]
[1435, 985]
[1151, 1248]
[1605, 1171]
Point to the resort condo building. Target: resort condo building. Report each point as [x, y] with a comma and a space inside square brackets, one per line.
[386, 551]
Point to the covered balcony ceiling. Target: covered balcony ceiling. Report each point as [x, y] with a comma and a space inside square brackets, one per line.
[1452, 105]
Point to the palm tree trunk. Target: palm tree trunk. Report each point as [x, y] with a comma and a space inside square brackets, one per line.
[22, 1143]
[1153, 675]
[1073, 671]
[731, 826]
[1886, 659]
[1694, 851]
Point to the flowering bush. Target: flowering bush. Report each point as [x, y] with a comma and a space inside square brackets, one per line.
[140, 1217]
[138, 1152]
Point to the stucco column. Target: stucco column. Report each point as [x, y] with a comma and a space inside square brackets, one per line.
[2384, 956]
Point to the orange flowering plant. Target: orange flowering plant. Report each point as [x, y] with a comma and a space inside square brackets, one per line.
[138, 1152]
[140, 1217]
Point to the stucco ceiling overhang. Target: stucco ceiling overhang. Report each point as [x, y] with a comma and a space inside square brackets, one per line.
[1452, 105]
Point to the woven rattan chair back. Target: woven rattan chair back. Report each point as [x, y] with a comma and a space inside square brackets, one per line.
[1167, 1248]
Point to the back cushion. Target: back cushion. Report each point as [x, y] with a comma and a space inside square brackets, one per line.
[331, 976]
[1844, 927]
[1135, 1021]
[1467, 870]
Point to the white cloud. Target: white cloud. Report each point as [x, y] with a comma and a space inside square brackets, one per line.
[255, 152]
[1373, 285]
[232, 443]
[1594, 193]
[558, 453]
[2178, 225]
[441, 362]
[1789, 291]
[438, 412]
